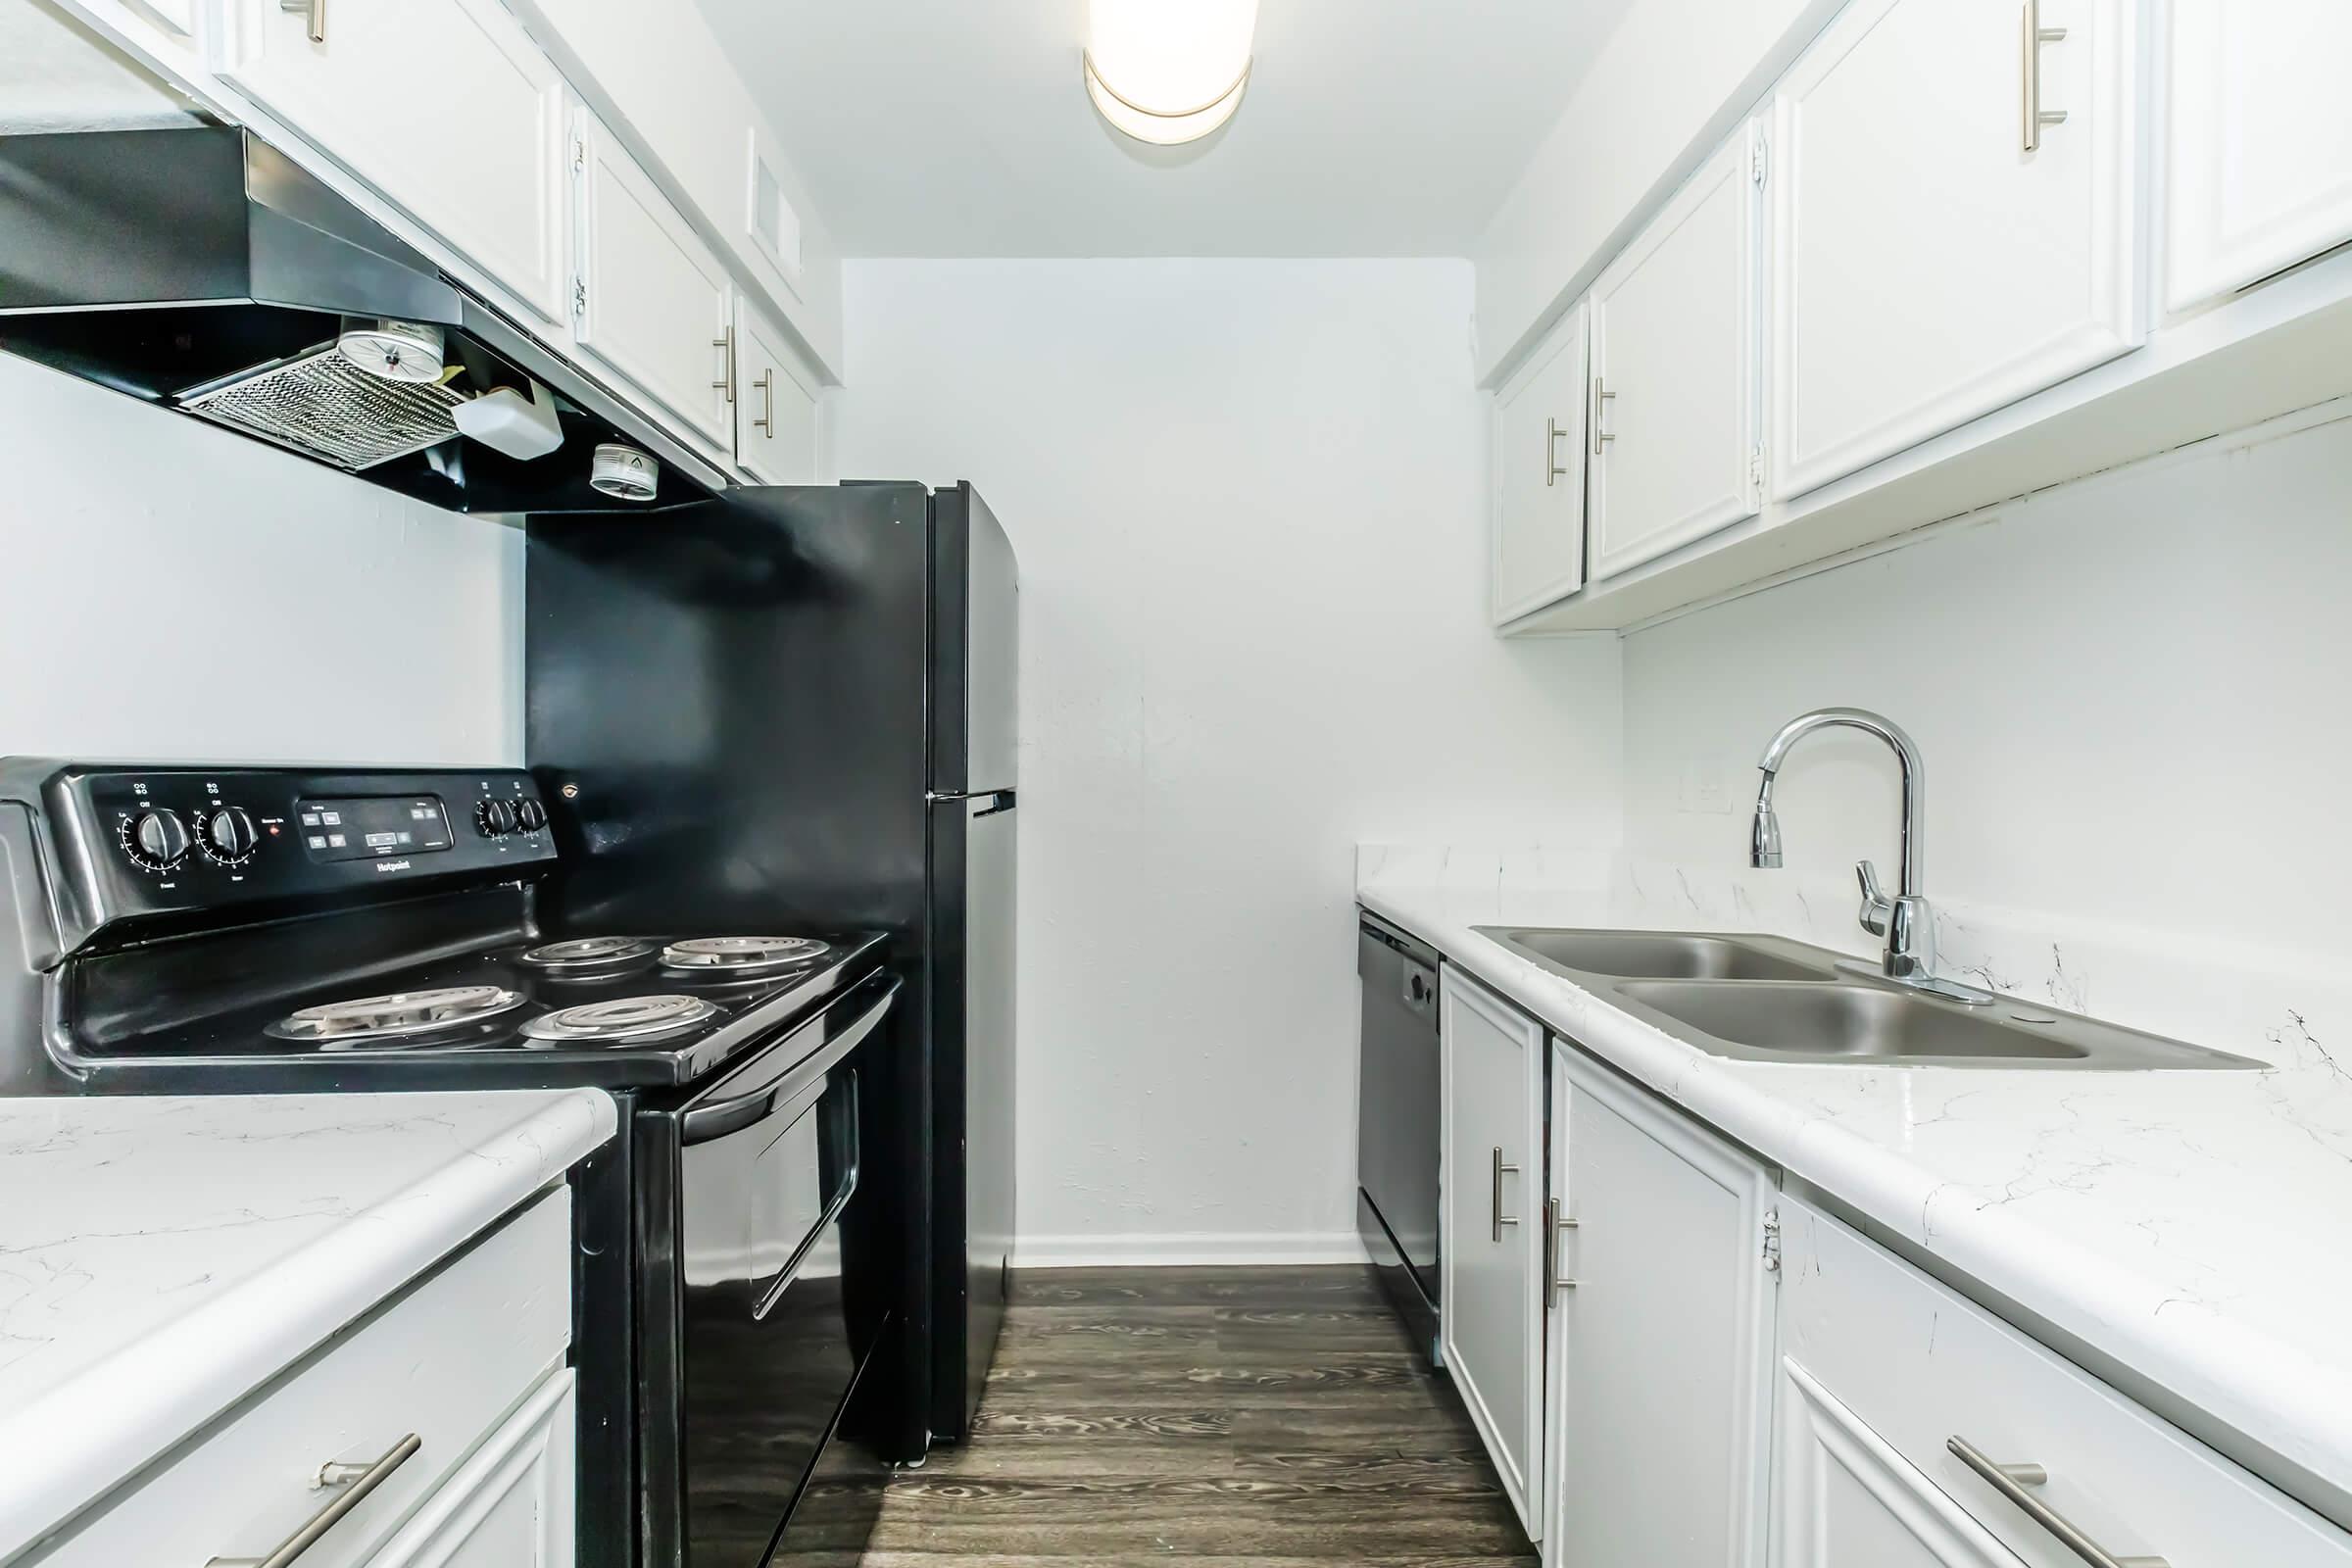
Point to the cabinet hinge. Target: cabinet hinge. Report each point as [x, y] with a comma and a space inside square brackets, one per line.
[1758, 159]
[1771, 1241]
[579, 152]
[579, 296]
[1755, 464]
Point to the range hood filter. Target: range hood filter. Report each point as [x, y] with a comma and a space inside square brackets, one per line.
[326, 407]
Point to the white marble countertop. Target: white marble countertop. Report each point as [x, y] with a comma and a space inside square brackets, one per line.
[2188, 1225]
[160, 1258]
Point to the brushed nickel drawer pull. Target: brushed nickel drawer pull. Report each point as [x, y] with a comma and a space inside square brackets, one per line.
[1553, 473]
[357, 1482]
[2011, 1482]
[1603, 397]
[727, 365]
[1495, 1208]
[767, 403]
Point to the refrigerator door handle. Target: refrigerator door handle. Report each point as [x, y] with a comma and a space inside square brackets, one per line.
[993, 801]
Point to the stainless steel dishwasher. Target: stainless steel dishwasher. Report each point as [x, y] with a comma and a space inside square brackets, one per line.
[1397, 1122]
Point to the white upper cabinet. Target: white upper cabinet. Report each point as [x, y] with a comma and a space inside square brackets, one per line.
[1491, 1218]
[2260, 151]
[1539, 455]
[1675, 386]
[1660, 1447]
[775, 402]
[1944, 242]
[445, 106]
[657, 308]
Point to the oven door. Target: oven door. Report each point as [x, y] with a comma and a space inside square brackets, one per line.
[765, 1297]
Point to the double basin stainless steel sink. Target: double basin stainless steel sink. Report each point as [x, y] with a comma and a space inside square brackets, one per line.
[1764, 998]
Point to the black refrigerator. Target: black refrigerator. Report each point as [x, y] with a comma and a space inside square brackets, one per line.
[795, 709]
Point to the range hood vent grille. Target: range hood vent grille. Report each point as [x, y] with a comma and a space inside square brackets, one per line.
[326, 407]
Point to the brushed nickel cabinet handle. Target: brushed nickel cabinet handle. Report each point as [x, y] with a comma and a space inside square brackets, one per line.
[1601, 396]
[357, 1482]
[2011, 1482]
[1494, 1207]
[1553, 473]
[2036, 116]
[314, 11]
[727, 365]
[767, 403]
[1557, 1227]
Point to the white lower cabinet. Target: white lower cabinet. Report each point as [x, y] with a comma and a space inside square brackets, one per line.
[1843, 1499]
[1538, 552]
[1874, 1349]
[1659, 1440]
[513, 1504]
[1490, 1175]
[1941, 244]
[459, 1382]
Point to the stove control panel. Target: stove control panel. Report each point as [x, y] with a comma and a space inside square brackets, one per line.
[134, 844]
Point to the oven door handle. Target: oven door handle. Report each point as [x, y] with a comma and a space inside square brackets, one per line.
[840, 1200]
[717, 1118]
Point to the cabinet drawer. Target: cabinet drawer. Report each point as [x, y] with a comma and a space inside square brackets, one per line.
[447, 1363]
[508, 1506]
[1920, 1365]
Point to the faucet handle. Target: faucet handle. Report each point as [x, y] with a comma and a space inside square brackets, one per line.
[1876, 908]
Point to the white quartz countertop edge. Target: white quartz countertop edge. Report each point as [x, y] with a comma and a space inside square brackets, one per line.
[2272, 1393]
[70, 1446]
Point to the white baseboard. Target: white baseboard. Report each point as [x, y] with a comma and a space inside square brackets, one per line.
[1197, 1248]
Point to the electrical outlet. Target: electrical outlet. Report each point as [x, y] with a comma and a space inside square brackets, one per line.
[1712, 798]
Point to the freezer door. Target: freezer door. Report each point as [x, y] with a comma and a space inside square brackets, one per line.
[976, 647]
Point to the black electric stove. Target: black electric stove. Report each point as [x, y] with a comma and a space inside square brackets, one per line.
[741, 1280]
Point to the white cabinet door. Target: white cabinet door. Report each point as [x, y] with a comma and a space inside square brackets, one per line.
[512, 1504]
[1490, 1231]
[1926, 267]
[657, 302]
[1667, 1337]
[444, 106]
[1675, 343]
[1538, 457]
[2260, 150]
[775, 402]
[1843, 1499]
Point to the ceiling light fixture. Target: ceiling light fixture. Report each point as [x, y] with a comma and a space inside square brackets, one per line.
[1169, 71]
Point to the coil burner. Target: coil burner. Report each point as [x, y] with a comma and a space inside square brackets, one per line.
[398, 1015]
[585, 954]
[737, 956]
[627, 1018]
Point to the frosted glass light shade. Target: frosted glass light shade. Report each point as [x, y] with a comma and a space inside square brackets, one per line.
[1169, 71]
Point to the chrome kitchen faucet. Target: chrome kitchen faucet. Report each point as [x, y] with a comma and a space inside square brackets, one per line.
[1904, 920]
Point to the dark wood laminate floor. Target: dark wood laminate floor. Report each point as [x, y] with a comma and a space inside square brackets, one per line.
[1226, 1416]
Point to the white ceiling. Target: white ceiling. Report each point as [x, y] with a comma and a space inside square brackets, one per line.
[961, 128]
[57, 76]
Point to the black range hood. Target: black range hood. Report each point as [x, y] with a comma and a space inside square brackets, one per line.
[170, 264]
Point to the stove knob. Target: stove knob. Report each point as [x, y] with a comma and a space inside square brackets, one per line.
[530, 816]
[157, 839]
[229, 835]
[495, 818]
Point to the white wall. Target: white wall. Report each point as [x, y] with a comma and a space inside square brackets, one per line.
[169, 590]
[2130, 696]
[1247, 499]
